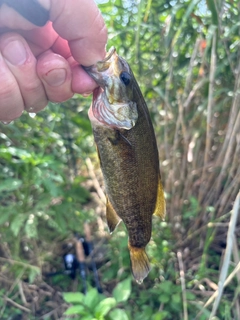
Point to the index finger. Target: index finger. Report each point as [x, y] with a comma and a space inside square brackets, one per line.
[81, 23]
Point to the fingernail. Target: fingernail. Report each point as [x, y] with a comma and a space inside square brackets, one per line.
[15, 52]
[55, 77]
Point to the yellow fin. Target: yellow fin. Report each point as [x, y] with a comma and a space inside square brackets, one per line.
[160, 208]
[112, 218]
[140, 263]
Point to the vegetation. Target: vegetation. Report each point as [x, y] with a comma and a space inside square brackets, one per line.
[186, 57]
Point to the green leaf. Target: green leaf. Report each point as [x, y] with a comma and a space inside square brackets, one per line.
[190, 296]
[10, 185]
[123, 290]
[92, 298]
[52, 187]
[17, 223]
[176, 298]
[18, 153]
[5, 216]
[160, 315]
[166, 286]
[118, 314]
[104, 307]
[164, 298]
[73, 297]
[31, 227]
[78, 309]
[33, 272]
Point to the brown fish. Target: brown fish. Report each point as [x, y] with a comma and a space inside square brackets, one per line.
[128, 155]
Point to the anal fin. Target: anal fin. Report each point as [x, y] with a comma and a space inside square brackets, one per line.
[112, 218]
[140, 263]
[160, 208]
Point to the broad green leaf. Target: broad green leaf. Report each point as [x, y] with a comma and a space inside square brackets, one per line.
[123, 290]
[6, 214]
[10, 185]
[15, 152]
[92, 298]
[164, 298]
[17, 223]
[160, 315]
[190, 296]
[78, 309]
[166, 286]
[104, 307]
[52, 187]
[118, 314]
[176, 298]
[73, 297]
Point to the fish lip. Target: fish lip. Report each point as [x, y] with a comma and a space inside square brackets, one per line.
[97, 71]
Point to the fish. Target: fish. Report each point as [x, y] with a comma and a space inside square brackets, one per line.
[128, 154]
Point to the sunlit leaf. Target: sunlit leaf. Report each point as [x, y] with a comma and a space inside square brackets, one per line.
[118, 314]
[79, 309]
[73, 297]
[92, 298]
[123, 290]
[104, 307]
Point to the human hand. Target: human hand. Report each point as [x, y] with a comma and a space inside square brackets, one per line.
[41, 64]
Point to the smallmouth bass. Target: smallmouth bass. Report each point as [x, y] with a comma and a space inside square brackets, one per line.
[128, 154]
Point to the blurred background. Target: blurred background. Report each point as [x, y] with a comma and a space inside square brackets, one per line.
[185, 56]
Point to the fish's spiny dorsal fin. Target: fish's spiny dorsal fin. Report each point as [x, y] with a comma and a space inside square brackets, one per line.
[140, 263]
[160, 208]
[112, 218]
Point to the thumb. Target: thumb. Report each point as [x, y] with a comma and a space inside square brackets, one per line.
[81, 24]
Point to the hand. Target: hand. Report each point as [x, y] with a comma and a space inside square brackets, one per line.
[41, 64]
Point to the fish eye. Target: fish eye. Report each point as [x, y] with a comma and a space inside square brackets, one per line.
[125, 77]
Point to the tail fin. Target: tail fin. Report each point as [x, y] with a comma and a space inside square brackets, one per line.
[140, 263]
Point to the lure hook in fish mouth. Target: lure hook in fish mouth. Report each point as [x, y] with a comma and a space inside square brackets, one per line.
[101, 65]
[109, 54]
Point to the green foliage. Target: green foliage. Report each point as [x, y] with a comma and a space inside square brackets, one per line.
[36, 193]
[96, 306]
[122, 291]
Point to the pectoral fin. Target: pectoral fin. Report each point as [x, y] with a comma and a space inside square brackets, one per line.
[112, 218]
[160, 208]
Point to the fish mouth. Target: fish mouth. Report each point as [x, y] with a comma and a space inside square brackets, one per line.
[115, 116]
[111, 104]
[103, 69]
